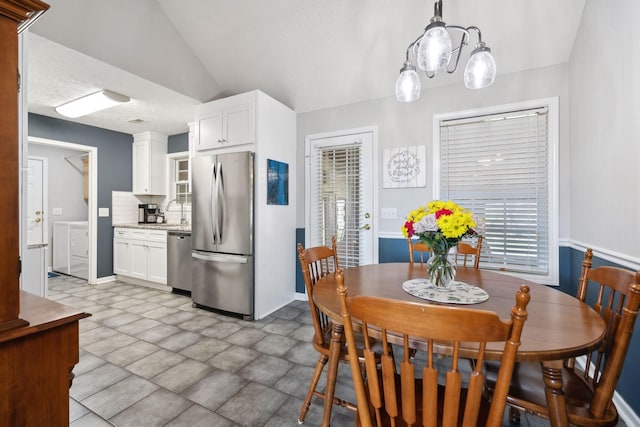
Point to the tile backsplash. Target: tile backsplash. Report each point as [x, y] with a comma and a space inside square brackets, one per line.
[124, 208]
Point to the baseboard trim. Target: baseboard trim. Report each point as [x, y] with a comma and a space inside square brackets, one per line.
[263, 315]
[141, 282]
[106, 279]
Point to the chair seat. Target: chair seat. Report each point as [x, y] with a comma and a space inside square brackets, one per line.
[527, 393]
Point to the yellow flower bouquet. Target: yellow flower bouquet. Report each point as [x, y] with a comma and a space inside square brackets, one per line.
[441, 225]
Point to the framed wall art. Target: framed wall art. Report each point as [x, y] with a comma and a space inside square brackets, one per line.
[277, 183]
[404, 167]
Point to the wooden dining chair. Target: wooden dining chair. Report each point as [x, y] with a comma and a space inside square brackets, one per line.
[465, 249]
[404, 398]
[615, 294]
[418, 247]
[317, 262]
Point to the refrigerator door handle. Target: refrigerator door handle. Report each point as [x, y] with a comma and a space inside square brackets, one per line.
[211, 204]
[221, 202]
[235, 259]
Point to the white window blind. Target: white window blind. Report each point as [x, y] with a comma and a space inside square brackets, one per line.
[498, 166]
[336, 205]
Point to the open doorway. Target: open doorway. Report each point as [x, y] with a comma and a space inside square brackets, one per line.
[70, 188]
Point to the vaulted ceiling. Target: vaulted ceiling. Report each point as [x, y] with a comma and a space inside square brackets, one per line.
[170, 55]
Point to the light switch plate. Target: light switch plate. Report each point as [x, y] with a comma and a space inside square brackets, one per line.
[57, 211]
[389, 213]
[103, 211]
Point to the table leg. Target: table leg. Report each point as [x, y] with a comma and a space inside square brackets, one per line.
[552, 375]
[332, 372]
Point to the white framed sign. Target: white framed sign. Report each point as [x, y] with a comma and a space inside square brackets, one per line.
[404, 167]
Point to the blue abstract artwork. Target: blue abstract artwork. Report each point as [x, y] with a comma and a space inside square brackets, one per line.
[277, 183]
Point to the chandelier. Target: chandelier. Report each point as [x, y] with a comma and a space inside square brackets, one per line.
[433, 51]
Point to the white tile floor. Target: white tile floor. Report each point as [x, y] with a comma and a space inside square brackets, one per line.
[148, 358]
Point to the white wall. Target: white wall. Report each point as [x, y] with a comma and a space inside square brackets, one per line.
[402, 124]
[604, 76]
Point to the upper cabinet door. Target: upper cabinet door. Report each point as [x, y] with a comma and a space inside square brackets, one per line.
[141, 167]
[209, 130]
[149, 163]
[239, 124]
[226, 122]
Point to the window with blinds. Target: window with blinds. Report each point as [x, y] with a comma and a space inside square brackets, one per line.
[336, 175]
[498, 166]
[181, 180]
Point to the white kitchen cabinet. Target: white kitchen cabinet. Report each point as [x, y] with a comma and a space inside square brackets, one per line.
[149, 163]
[121, 256]
[139, 261]
[226, 122]
[157, 262]
[140, 254]
[71, 248]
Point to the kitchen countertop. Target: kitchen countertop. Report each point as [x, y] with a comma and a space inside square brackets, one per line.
[168, 227]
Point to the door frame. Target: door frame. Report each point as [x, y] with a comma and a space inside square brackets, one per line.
[374, 197]
[92, 202]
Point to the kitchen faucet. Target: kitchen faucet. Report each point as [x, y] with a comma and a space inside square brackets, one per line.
[183, 220]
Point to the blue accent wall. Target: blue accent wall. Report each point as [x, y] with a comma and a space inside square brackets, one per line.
[392, 250]
[299, 278]
[178, 143]
[570, 260]
[114, 170]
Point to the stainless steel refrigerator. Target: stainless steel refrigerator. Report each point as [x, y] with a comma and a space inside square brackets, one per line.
[222, 232]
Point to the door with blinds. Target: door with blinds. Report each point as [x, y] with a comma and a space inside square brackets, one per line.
[340, 196]
[501, 167]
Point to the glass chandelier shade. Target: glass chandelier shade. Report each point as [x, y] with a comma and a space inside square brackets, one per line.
[408, 85]
[434, 48]
[480, 71]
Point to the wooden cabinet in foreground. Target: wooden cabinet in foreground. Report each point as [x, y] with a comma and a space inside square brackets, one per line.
[38, 338]
[36, 363]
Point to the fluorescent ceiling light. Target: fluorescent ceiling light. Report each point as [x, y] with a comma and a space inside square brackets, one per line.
[91, 103]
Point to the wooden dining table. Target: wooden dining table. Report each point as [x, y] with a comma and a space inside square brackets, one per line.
[559, 326]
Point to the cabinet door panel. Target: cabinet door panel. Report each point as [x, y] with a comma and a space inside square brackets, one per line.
[121, 257]
[141, 168]
[239, 124]
[157, 262]
[149, 165]
[138, 259]
[210, 131]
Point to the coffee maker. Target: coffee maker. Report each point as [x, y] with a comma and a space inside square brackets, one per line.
[148, 213]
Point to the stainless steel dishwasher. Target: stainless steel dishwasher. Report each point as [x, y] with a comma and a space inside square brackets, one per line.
[179, 260]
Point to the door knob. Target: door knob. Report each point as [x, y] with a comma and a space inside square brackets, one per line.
[365, 227]
[37, 220]
[38, 212]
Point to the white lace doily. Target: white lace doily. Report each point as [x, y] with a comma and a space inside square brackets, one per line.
[458, 293]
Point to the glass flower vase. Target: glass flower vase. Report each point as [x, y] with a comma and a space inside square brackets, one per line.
[440, 269]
